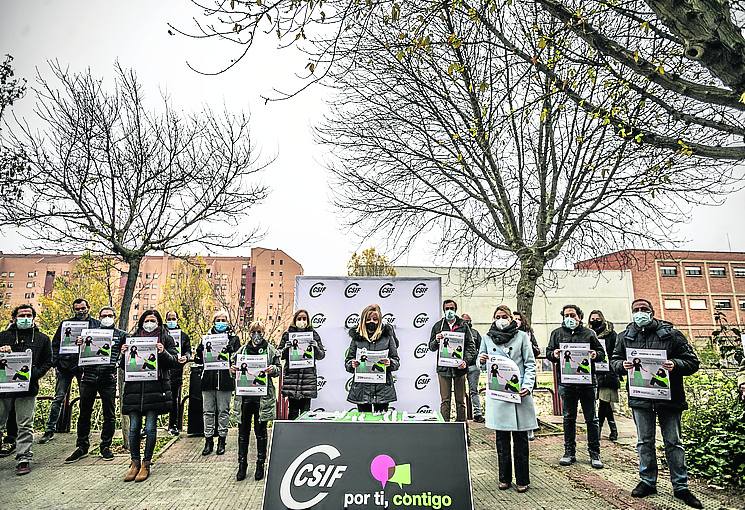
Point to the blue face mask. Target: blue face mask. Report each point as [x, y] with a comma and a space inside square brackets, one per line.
[642, 319]
[571, 323]
[24, 322]
[172, 324]
[221, 327]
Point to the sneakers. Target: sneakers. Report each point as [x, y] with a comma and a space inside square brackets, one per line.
[479, 419]
[106, 454]
[567, 460]
[7, 449]
[48, 436]
[24, 468]
[688, 498]
[174, 431]
[76, 456]
[642, 490]
[595, 461]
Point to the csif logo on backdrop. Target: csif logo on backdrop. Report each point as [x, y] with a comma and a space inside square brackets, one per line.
[317, 289]
[421, 382]
[320, 382]
[386, 290]
[352, 290]
[348, 384]
[419, 290]
[420, 320]
[352, 321]
[317, 320]
[421, 350]
[389, 318]
[425, 409]
[300, 473]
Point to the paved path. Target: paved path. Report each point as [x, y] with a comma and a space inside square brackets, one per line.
[181, 479]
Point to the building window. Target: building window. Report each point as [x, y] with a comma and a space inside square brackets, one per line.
[272, 261]
[722, 304]
[271, 294]
[11, 274]
[153, 285]
[669, 271]
[693, 271]
[698, 304]
[65, 273]
[739, 272]
[270, 306]
[281, 262]
[673, 304]
[4, 274]
[10, 285]
[279, 317]
[156, 276]
[173, 276]
[271, 284]
[147, 276]
[270, 317]
[244, 266]
[742, 304]
[153, 296]
[32, 274]
[280, 284]
[271, 273]
[137, 306]
[29, 295]
[280, 273]
[134, 317]
[30, 285]
[718, 272]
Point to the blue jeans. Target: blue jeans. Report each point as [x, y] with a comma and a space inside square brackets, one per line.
[62, 386]
[646, 430]
[135, 434]
[585, 396]
[473, 389]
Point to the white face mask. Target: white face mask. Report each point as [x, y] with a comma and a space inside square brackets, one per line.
[150, 326]
[107, 322]
[502, 323]
[301, 323]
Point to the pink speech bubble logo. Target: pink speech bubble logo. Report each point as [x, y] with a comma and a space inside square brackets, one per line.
[380, 468]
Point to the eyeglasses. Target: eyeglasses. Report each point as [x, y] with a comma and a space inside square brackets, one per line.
[107, 316]
[641, 309]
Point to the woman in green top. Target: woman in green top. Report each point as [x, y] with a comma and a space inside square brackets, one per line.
[583, 367]
[638, 378]
[567, 362]
[133, 358]
[660, 379]
[3, 366]
[243, 378]
[87, 351]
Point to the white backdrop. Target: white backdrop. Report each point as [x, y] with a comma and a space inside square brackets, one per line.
[411, 305]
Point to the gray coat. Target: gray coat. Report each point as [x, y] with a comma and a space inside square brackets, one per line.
[300, 382]
[469, 345]
[368, 393]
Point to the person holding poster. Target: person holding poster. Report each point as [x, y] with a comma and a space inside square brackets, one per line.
[372, 335]
[300, 384]
[147, 397]
[474, 373]
[65, 354]
[608, 382]
[645, 343]
[575, 348]
[452, 370]
[23, 337]
[183, 346]
[260, 409]
[99, 379]
[217, 385]
[510, 410]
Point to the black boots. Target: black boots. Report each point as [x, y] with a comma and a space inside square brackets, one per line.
[261, 442]
[209, 445]
[242, 457]
[259, 474]
[613, 431]
[220, 445]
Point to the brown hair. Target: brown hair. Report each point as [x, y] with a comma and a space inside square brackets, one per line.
[361, 328]
[503, 308]
[524, 322]
[294, 317]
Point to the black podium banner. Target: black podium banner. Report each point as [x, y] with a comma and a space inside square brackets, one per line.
[355, 466]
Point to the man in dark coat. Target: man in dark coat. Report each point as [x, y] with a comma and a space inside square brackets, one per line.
[23, 335]
[646, 332]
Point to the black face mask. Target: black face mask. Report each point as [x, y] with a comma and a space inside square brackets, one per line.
[371, 327]
[596, 325]
[81, 315]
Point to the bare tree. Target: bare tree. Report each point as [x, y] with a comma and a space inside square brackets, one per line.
[12, 167]
[110, 176]
[682, 60]
[440, 136]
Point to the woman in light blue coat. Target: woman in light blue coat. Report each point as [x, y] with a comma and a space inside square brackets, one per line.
[511, 421]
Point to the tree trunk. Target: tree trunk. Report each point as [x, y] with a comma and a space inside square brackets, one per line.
[129, 291]
[531, 269]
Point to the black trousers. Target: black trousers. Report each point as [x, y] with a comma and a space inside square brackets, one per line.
[519, 450]
[173, 421]
[249, 413]
[11, 428]
[369, 408]
[605, 412]
[297, 407]
[88, 391]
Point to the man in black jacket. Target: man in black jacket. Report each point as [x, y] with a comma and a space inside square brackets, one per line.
[99, 379]
[177, 374]
[453, 378]
[572, 331]
[646, 332]
[21, 336]
[66, 367]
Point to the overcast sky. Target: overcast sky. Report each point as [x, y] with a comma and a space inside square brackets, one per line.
[298, 216]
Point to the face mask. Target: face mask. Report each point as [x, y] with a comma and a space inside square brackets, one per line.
[450, 314]
[596, 325]
[301, 323]
[150, 326]
[24, 322]
[642, 319]
[371, 327]
[81, 315]
[570, 322]
[221, 326]
[107, 322]
[256, 337]
[172, 324]
[502, 323]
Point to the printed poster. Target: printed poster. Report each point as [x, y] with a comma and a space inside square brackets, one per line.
[96, 347]
[371, 369]
[176, 335]
[215, 354]
[647, 378]
[575, 362]
[69, 334]
[452, 346]
[141, 360]
[250, 375]
[301, 354]
[15, 371]
[503, 379]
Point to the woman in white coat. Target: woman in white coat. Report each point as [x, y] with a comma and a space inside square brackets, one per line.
[511, 421]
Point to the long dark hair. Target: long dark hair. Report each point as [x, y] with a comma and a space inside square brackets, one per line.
[146, 313]
[524, 322]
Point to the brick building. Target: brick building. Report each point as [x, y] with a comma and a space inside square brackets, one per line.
[257, 287]
[688, 288]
